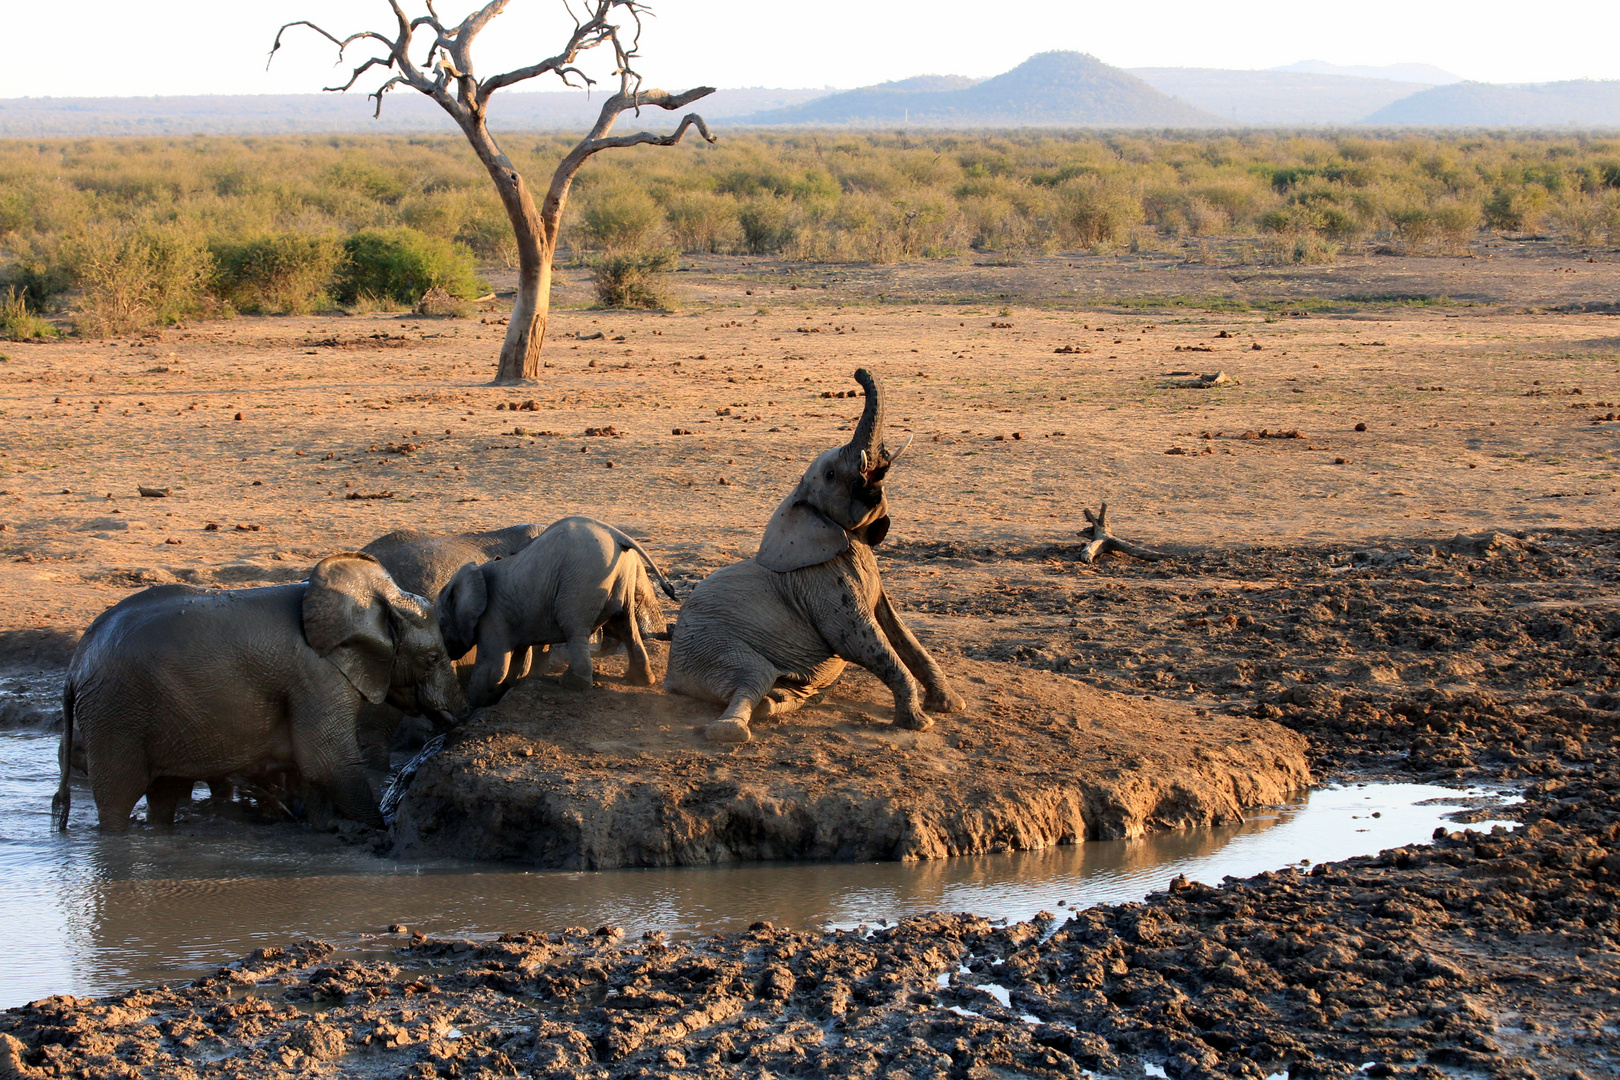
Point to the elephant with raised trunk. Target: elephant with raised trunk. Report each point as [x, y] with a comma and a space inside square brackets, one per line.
[576, 577]
[762, 635]
[176, 684]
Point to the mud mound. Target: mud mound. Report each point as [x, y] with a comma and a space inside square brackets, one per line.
[623, 776]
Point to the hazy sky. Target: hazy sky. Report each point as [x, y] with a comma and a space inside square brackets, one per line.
[113, 47]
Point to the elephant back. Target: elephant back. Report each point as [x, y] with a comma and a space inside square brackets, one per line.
[424, 562]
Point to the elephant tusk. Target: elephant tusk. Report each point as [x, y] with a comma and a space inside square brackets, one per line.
[895, 456]
[864, 469]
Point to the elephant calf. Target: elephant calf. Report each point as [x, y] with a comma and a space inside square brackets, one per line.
[762, 635]
[575, 577]
[176, 684]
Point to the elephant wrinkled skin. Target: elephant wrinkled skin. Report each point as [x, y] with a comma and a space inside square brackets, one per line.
[762, 635]
[575, 577]
[176, 684]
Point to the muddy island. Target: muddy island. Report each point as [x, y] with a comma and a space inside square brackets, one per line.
[622, 776]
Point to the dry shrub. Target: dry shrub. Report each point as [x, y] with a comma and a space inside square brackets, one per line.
[633, 279]
[439, 303]
[621, 218]
[138, 277]
[1101, 212]
[17, 323]
[704, 221]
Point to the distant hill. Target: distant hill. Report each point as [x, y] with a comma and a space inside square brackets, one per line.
[291, 114]
[1050, 89]
[1277, 97]
[1427, 74]
[1583, 103]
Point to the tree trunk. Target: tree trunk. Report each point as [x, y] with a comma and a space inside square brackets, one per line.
[526, 328]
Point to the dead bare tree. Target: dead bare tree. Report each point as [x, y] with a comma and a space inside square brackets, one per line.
[447, 75]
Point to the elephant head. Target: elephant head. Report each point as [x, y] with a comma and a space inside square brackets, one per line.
[384, 640]
[839, 496]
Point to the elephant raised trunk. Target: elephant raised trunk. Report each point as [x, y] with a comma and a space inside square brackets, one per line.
[865, 447]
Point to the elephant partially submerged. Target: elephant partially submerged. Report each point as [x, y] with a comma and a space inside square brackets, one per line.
[176, 684]
[762, 635]
[576, 577]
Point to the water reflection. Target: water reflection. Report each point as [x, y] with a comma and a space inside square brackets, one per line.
[91, 915]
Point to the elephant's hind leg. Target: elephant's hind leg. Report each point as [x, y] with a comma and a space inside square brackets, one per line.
[116, 796]
[163, 796]
[732, 727]
[782, 700]
[752, 688]
[581, 673]
[638, 667]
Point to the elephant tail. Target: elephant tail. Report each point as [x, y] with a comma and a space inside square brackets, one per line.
[629, 544]
[62, 801]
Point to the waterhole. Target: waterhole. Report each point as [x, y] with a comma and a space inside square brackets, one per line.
[85, 914]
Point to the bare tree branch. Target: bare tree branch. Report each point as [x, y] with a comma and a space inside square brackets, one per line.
[448, 57]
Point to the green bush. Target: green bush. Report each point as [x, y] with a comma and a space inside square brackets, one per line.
[402, 265]
[282, 274]
[138, 277]
[629, 279]
[17, 323]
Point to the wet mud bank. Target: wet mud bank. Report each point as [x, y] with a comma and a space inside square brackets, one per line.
[622, 775]
[1479, 955]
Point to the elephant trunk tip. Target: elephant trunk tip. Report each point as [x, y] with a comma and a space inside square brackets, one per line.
[868, 438]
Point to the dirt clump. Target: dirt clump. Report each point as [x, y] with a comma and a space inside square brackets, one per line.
[622, 775]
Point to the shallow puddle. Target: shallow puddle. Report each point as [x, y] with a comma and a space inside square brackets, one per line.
[85, 914]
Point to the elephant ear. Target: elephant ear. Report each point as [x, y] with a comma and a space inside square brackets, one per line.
[461, 605]
[347, 620]
[798, 535]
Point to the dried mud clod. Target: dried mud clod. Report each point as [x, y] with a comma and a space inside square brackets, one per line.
[1103, 541]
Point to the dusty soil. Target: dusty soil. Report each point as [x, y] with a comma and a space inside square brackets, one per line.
[1432, 596]
[625, 777]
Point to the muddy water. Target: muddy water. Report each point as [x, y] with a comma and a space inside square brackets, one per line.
[83, 914]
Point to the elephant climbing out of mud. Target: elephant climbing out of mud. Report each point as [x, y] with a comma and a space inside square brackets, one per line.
[577, 576]
[762, 635]
[176, 684]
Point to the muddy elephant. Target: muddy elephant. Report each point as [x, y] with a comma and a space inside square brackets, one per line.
[762, 635]
[177, 684]
[575, 577]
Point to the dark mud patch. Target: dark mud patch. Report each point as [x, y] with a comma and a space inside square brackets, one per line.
[1492, 656]
[1479, 955]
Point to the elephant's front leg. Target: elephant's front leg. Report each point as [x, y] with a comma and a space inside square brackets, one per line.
[939, 697]
[488, 683]
[855, 635]
[328, 754]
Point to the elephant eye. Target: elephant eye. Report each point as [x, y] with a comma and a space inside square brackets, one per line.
[831, 476]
